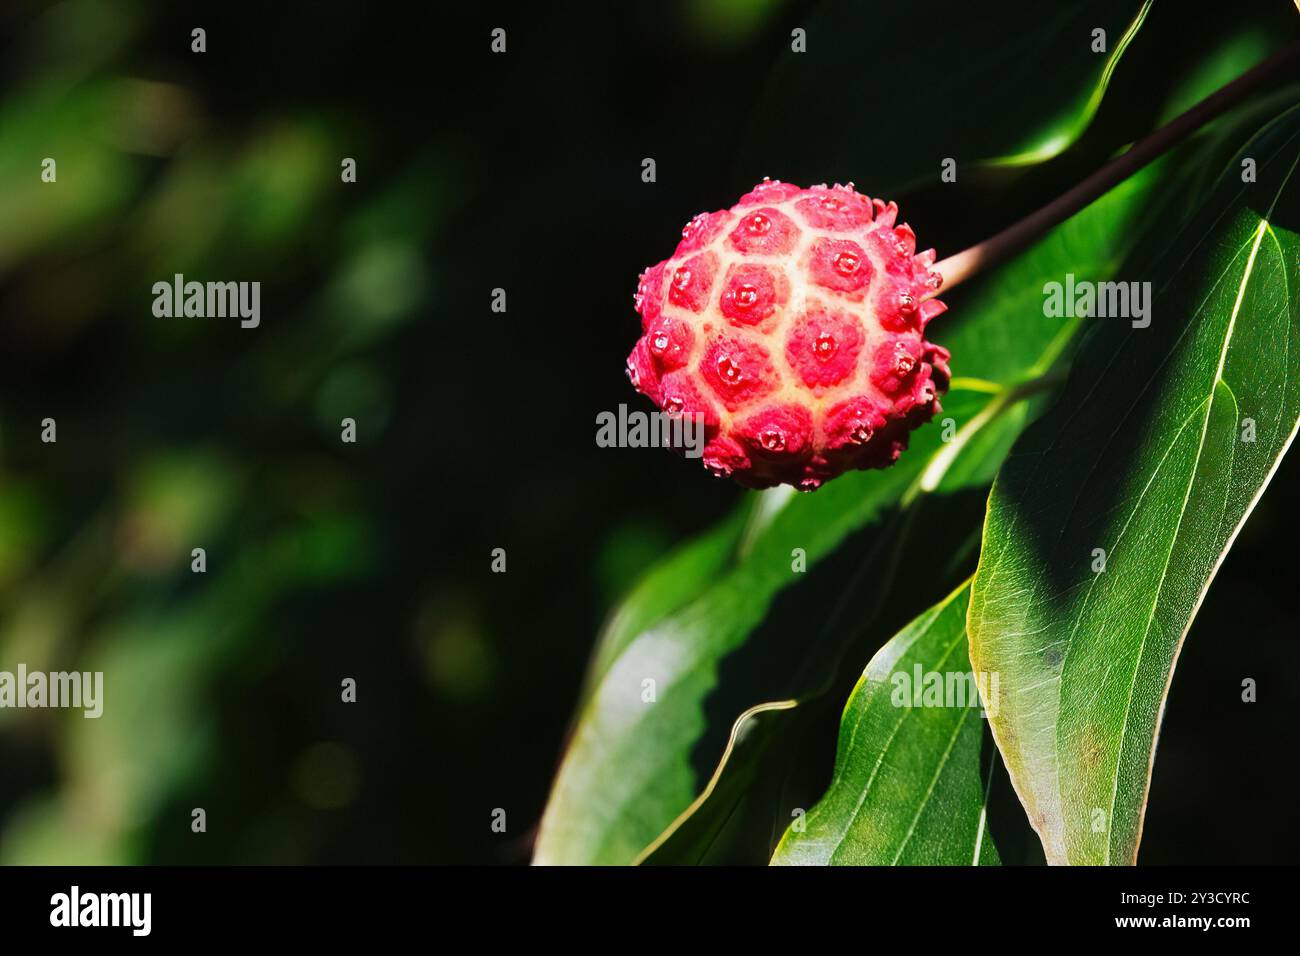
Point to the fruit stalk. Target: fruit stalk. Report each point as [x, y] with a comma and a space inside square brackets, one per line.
[960, 267]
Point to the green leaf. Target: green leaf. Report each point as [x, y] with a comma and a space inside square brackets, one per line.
[912, 774]
[633, 763]
[884, 87]
[930, 527]
[1146, 458]
[667, 587]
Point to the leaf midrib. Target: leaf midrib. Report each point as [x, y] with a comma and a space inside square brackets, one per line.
[884, 750]
[1078, 618]
[1196, 466]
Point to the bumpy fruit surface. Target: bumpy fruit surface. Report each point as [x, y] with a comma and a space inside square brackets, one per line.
[794, 323]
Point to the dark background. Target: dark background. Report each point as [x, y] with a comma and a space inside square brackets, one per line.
[372, 560]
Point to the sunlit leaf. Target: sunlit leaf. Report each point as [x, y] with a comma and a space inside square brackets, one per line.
[1112, 514]
[913, 773]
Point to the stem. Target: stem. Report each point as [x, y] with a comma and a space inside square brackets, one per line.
[956, 269]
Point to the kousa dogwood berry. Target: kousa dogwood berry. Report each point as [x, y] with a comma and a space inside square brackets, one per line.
[793, 324]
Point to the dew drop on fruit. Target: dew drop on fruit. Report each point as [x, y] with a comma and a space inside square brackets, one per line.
[861, 433]
[758, 224]
[773, 439]
[934, 281]
[906, 303]
[673, 406]
[682, 278]
[661, 342]
[746, 296]
[825, 346]
[846, 263]
[729, 371]
[719, 469]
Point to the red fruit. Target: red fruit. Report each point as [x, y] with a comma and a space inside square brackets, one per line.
[836, 210]
[840, 264]
[823, 346]
[701, 231]
[669, 341]
[781, 433]
[692, 281]
[752, 292]
[679, 395]
[765, 231]
[738, 371]
[649, 298]
[641, 371]
[896, 363]
[794, 322]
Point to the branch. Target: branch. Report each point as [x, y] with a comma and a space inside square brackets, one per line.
[960, 267]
